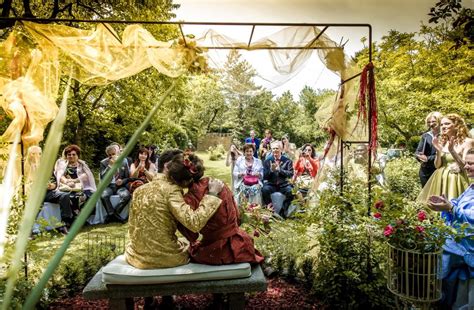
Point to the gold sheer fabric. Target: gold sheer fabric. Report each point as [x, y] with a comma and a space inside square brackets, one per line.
[35, 55]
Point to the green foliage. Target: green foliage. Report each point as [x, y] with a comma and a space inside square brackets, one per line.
[331, 249]
[413, 143]
[415, 77]
[402, 176]
[216, 152]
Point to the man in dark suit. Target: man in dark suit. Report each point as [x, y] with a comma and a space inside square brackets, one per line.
[255, 141]
[425, 152]
[116, 186]
[277, 171]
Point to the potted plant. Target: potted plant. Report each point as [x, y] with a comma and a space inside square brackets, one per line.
[415, 237]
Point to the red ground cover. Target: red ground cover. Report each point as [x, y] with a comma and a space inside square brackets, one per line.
[279, 295]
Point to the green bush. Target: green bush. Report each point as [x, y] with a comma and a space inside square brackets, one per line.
[402, 176]
[413, 143]
[330, 248]
[216, 152]
[401, 141]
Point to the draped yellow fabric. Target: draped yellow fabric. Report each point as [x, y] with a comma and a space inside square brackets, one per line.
[34, 56]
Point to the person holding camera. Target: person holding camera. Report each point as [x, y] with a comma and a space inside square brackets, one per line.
[116, 185]
[306, 168]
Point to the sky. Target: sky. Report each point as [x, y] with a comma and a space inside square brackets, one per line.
[383, 15]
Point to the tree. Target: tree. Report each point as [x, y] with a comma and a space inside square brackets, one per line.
[310, 100]
[415, 77]
[456, 23]
[238, 89]
[205, 107]
[98, 115]
[88, 9]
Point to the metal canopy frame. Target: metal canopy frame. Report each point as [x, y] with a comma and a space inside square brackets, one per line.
[254, 25]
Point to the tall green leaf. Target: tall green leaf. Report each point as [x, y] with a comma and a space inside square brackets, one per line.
[35, 294]
[36, 196]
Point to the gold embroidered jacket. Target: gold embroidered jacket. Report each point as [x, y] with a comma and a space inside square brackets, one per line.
[155, 208]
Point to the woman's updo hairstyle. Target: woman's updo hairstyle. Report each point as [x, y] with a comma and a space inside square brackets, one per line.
[185, 168]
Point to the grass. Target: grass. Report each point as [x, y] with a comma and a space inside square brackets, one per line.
[216, 169]
[41, 250]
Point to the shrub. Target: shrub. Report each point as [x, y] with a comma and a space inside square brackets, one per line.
[331, 249]
[400, 142]
[413, 143]
[216, 152]
[402, 176]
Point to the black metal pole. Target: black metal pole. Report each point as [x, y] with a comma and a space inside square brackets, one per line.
[23, 192]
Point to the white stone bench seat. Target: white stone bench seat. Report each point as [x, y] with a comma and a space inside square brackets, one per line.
[206, 280]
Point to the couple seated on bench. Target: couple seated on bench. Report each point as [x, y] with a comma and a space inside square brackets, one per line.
[159, 209]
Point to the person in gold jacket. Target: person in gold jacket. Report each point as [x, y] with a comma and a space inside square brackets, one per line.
[157, 207]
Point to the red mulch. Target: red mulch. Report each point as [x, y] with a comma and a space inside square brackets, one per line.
[279, 295]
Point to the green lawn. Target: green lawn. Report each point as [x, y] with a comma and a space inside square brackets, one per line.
[216, 169]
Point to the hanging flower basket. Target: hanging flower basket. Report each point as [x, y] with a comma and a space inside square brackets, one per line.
[414, 276]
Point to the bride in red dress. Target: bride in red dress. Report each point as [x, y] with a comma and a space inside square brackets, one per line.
[223, 242]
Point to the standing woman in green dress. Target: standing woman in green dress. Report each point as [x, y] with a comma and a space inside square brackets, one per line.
[450, 178]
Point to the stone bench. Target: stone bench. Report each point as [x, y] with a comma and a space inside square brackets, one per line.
[121, 295]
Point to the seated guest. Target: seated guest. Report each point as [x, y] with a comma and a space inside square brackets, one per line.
[53, 195]
[265, 145]
[277, 171]
[154, 154]
[142, 170]
[248, 176]
[223, 242]
[156, 209]
[116, 186]
[255, 141]
[306, 169]
[73, 175]
[458, 259]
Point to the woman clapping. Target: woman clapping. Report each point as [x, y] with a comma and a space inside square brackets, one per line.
[449, 179]
[248, 175]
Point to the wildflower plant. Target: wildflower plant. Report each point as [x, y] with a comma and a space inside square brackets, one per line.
[410, 225]
[255, 219]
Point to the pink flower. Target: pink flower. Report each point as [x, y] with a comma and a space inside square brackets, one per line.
[378, 215]
[388, 230]
[379, 205]
[256, 233]
[252, 206]
[420, 229]
[421, 216]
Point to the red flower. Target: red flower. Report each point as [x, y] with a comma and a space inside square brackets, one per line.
[421, 216]
[420, 229]
[252, 206]
[388, 230]
[378, 215]
[379, 205]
